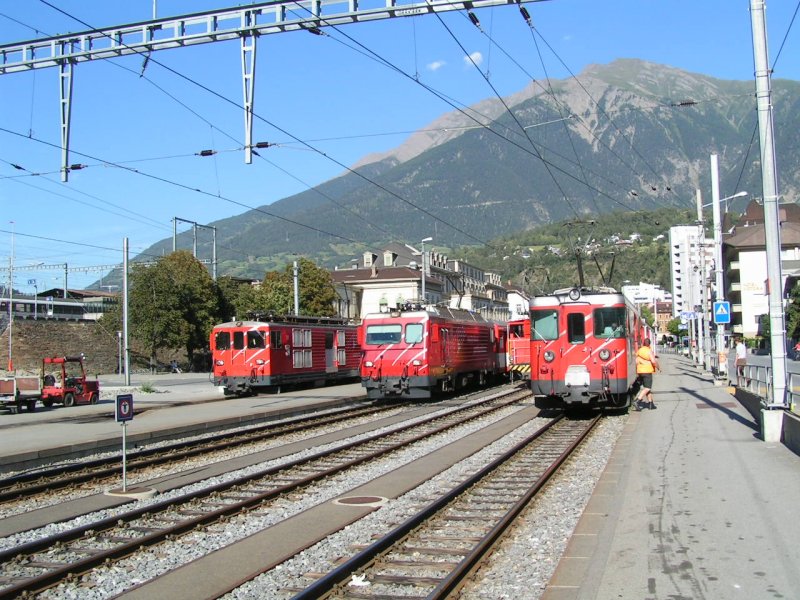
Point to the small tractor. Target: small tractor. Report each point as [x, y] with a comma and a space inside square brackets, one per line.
[64, 381]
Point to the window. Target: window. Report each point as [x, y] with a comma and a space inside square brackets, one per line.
[341, 357]
[255, 339]
[275, 340]
[340, 338]
[414, 333]
[609, 322]
[238, 340]
[222, 341]
[544, 324]
[576, 328]
[383, 334]
[301, 338]
[301, 359]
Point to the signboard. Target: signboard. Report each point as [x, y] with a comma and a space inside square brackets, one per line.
[722, 312]
[123, 410]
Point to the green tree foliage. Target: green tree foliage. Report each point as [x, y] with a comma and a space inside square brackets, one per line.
[793, 314]
[276, 293]
[545, 258]
[172, 304]
[675, 327]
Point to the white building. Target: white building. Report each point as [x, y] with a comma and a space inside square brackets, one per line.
[691, 261]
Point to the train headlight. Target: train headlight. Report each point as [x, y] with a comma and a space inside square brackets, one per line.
[416, 363]
[219, 363]
[574, 294]
[259, 361]
[368, 363]
[605, 354]
[549, 356]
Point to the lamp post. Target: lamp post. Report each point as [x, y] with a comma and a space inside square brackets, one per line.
[427, 239]
[718, 280]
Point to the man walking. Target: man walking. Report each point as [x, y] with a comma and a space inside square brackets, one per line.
[646, 365]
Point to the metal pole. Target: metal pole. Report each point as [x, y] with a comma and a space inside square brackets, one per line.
[296, 289]
[701, 246]
[124, 456]
[214, 253]
[718, 282]
[125, 311]
[423, 272]
[11, 299]
[769, 180]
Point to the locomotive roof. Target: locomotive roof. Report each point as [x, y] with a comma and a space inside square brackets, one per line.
[460, 314]
[256, 320]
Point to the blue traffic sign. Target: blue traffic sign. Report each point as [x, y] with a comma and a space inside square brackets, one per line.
[722, 312]
[124, 408]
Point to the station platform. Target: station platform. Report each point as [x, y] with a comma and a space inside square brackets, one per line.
[693, 504]
[174, 405]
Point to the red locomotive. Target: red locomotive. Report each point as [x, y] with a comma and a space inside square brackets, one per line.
[583, 348]
[519, 348]
[251, 356]
[417, 352]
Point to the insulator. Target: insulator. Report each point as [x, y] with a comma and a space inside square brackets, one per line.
[76, 167]
[525, 14]
[314, 30]
[207, 152]
[264, 144]
[474, 19]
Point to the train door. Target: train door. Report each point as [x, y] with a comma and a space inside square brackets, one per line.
[330, 353]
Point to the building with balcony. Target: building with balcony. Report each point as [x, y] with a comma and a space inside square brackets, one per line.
[745, 260]
[386, 280]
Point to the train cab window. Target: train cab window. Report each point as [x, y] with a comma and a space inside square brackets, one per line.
[414, 333]
[238, 340]
[275, 340]
[544, 324]
[383, 334]
[609, 322]
[576, 328]
[516, 331]
[222, 341]
[255, 339]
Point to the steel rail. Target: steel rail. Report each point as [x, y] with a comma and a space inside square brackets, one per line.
[328, 585]
[57, 572]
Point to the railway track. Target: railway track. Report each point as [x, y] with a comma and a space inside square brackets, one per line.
[98, 471]
[430, 554]
[34, 566]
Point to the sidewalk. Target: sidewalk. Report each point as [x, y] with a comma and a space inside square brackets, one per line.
[693, 504]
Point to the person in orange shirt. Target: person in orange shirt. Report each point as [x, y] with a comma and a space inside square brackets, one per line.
[646, 365]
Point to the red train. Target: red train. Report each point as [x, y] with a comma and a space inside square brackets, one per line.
[251, 356]
[583, 348]
[417, 352]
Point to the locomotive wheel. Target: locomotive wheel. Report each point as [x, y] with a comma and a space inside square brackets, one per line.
[48, 403]
[93, 398]
[69, 399]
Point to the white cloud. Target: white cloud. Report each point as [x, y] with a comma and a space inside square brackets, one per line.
[476, 57]
[436, 65]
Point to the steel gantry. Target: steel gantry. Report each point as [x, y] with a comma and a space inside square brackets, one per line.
[243, 23]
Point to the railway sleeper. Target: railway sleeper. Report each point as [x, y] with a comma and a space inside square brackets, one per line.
[405, 580]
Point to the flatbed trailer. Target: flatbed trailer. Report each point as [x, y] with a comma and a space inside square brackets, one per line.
[17, 391]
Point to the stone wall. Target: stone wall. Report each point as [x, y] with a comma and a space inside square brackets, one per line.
[33, 340]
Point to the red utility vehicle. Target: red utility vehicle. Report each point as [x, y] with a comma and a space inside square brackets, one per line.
[64, 381]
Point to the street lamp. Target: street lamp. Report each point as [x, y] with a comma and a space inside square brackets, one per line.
[427, 239]
[718, 273]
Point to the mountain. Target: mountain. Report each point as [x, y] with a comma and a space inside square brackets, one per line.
[630, 135]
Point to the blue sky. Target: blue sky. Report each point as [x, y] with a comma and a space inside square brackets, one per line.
[317, 89]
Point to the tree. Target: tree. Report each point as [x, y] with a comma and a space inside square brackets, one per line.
[172, 304]
[675, 327]
[793, 314]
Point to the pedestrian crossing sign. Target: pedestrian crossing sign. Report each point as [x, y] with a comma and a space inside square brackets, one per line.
[722, 312]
